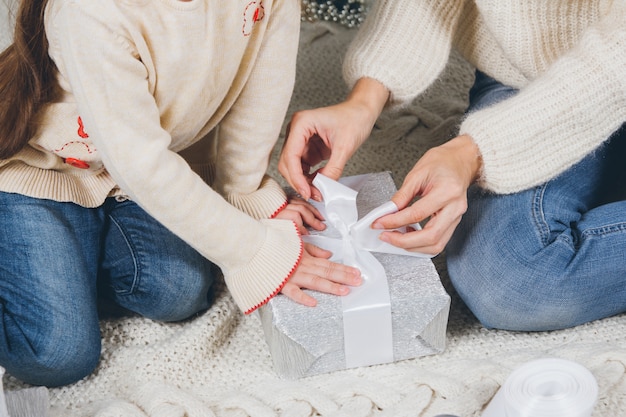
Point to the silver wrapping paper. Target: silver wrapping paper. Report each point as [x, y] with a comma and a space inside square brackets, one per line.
[305, 341]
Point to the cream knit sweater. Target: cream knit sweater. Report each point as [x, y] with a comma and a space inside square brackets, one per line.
[143, 80]
[567, 57]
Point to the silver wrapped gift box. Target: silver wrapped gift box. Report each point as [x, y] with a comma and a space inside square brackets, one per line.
[305, 341]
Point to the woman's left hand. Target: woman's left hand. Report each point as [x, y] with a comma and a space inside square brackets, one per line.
[440, 179]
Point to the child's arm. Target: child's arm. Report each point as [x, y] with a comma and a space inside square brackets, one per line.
[249, 131]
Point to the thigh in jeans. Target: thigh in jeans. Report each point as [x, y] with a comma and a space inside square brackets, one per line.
[149, 270]
[49, 333]
[550, 257]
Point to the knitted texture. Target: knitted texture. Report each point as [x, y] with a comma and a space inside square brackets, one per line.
[217, 364]
[566, 57]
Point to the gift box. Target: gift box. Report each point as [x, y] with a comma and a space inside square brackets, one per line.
[399, 312]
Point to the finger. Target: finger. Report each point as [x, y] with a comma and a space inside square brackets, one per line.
[408, 191]
[331, 271]
[432, 239]
[308, 217]
[291, 214]
[308, 206]
[402, 218]
[294, 292]
[317, 283]
[291, 168]
[335, 165]
[422, 209]
[290, 162]
[317, 252]
[316, 194]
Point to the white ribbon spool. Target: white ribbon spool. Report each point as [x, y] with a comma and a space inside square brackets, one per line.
[546, 388]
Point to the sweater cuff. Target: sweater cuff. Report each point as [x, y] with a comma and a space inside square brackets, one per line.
[263, 203]
[269, 270]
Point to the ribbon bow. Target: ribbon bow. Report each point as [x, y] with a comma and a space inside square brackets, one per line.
[368, 338]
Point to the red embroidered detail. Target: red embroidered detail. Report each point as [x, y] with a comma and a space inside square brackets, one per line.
[253, 12]
[75, 142]
[289, 275]
[279, 209]
[76, 163]
[81, 129]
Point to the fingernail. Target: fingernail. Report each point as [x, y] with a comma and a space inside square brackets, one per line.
[302, 192]
[384, 237]
[377, 225]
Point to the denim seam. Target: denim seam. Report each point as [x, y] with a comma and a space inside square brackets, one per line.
[133, 250]
[538, 216]
[604, 230]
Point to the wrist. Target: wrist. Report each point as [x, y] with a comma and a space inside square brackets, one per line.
[468, 152]
[371, 95]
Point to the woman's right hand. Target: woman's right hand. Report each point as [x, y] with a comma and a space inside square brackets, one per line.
[331, 133]
[316, 272]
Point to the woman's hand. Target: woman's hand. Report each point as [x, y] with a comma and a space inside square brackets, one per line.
[440, 179]
[316, 272]
[332, 133]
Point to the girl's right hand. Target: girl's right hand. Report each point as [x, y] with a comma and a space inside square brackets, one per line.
[316, 272]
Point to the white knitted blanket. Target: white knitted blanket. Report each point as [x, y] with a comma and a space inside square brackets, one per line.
[218, 364]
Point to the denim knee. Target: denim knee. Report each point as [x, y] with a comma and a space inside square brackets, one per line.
[168, 297]
[167, 306]
[510, 280]
[56, 360]
[502, 301]
[149, 270]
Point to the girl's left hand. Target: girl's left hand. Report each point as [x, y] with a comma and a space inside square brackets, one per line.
[303, 214]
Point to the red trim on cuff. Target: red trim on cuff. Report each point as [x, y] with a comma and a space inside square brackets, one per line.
[289, 275]
[279, 209]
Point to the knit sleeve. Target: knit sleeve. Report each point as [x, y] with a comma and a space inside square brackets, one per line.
[404, 44]
[560, 117]
[250, 130]
[110, 84]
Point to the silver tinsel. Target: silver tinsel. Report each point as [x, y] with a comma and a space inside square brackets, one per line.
[349, 13]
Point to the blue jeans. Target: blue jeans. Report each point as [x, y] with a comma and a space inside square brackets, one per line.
[550, 257]
[57, 259]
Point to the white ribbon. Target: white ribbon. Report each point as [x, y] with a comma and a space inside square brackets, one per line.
[368, 338]
[546, 388]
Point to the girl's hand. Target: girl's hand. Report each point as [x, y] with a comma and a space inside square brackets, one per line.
[303, 214]
[316, 272]
[441, 179]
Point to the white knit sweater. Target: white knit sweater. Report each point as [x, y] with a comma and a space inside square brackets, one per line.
[567, 57]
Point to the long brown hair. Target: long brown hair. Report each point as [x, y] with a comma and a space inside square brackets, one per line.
[27, 78]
